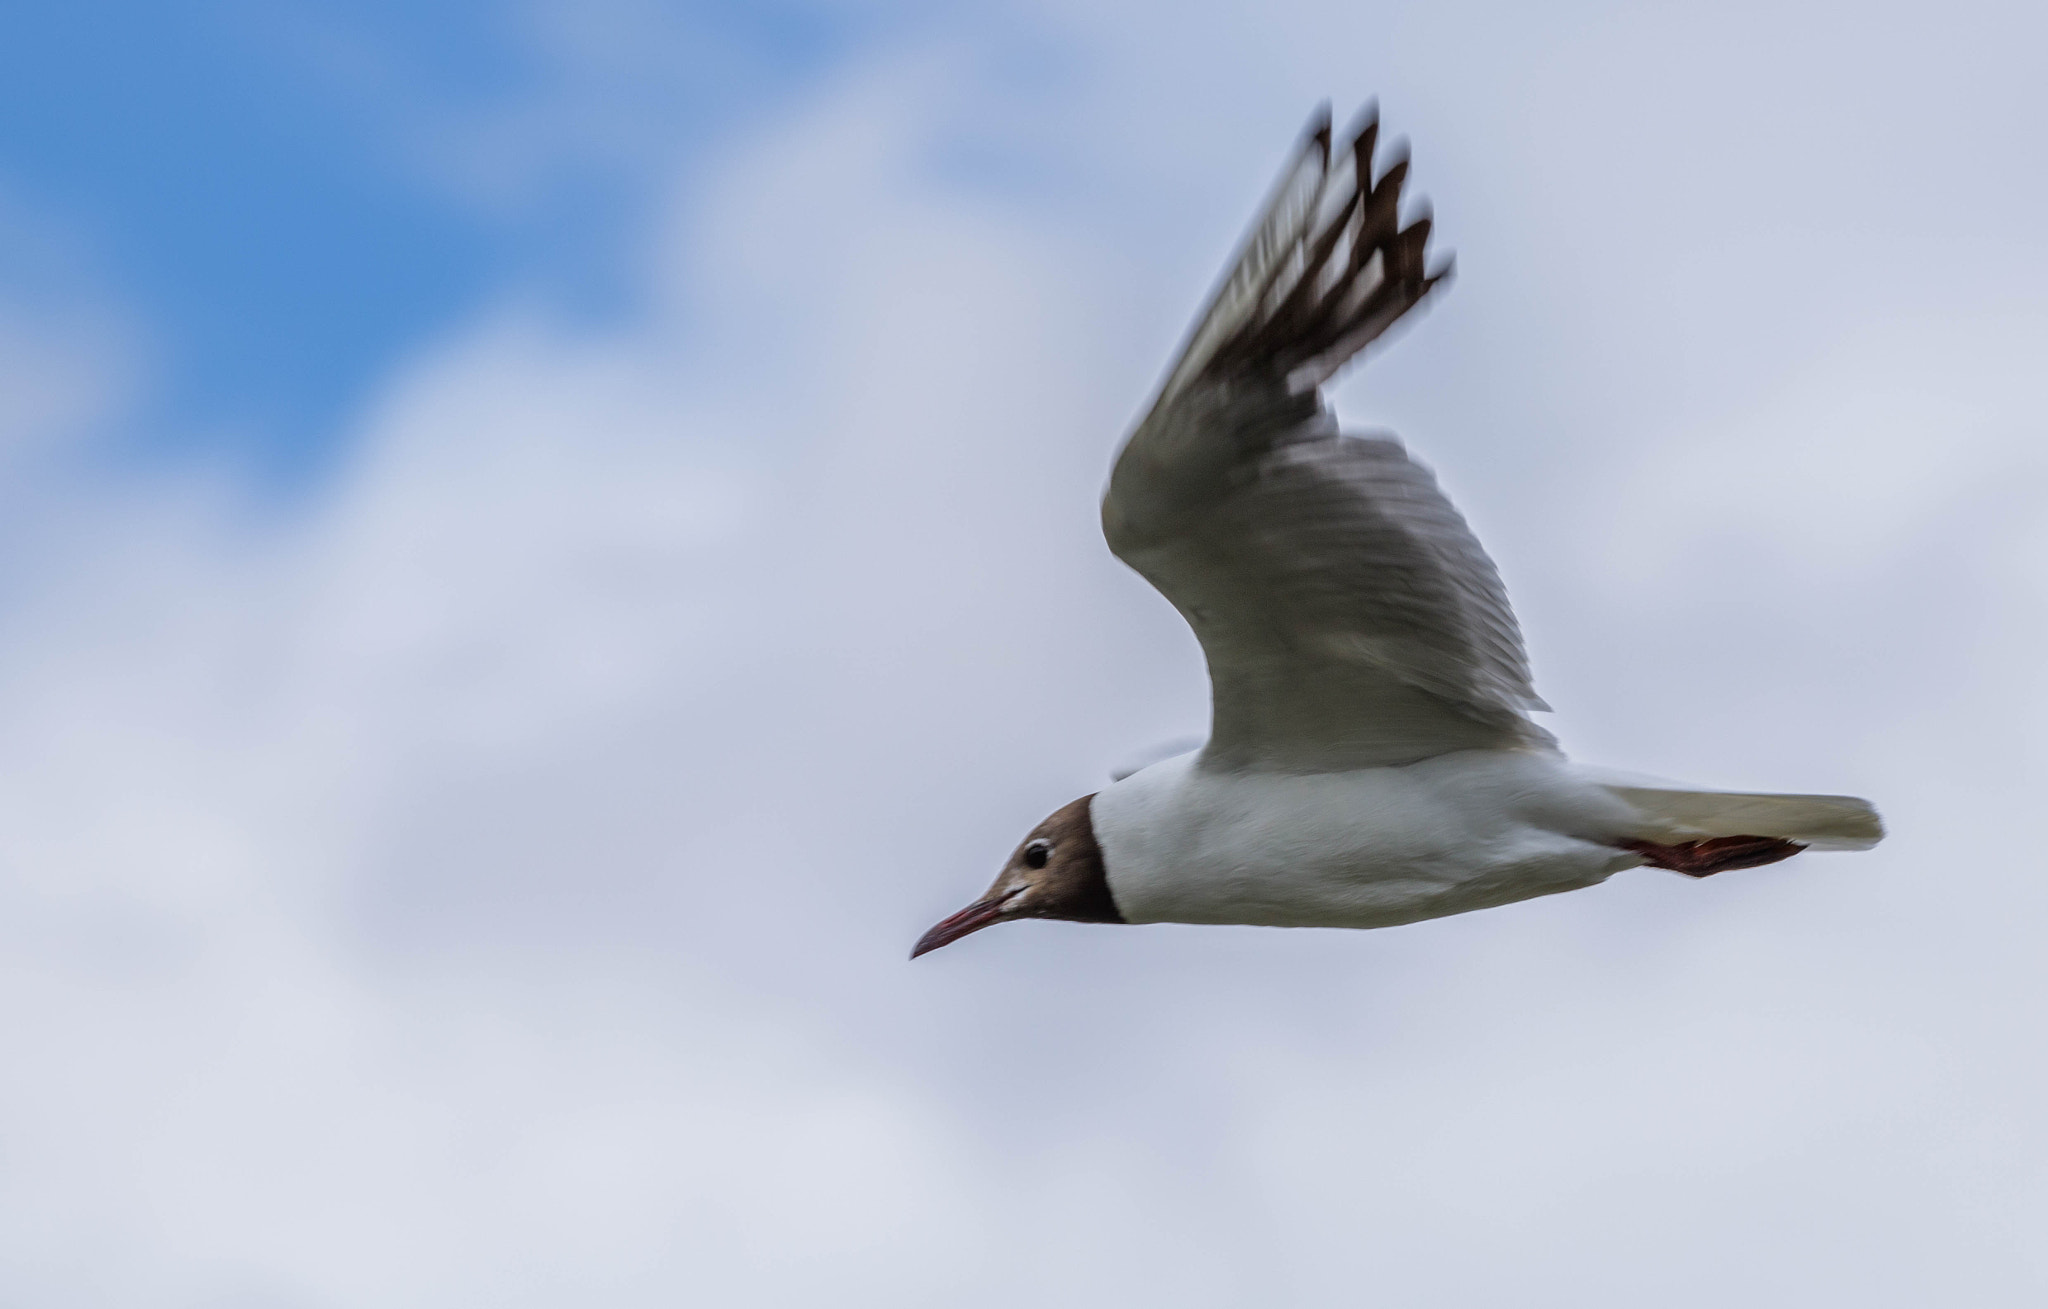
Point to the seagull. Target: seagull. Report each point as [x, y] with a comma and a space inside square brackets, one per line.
[1371, 758]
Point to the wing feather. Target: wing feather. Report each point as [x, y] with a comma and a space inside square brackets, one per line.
[1266, 256]
[1349, 616]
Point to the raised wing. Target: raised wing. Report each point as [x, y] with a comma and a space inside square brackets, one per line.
[1349, 617]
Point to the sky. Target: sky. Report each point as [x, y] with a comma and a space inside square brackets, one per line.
[542, 544]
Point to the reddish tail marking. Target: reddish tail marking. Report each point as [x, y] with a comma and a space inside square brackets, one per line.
[1705, 858]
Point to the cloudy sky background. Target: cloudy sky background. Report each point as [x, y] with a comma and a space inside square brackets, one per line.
[541, 544]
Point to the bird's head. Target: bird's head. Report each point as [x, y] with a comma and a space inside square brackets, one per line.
[1056, 873]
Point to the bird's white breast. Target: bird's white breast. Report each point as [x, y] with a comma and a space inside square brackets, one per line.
[1367, 848]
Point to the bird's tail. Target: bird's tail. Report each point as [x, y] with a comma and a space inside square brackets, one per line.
[1673, 815]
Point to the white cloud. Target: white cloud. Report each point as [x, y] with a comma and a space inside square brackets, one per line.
[493, 886]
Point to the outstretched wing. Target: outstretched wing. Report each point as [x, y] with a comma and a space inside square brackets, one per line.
[1348, 615]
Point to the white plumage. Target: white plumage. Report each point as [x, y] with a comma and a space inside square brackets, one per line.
[1372, 847]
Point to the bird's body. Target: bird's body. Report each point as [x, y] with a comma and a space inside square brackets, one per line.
[1365, 847]
[1371, 757]
[1374, 847]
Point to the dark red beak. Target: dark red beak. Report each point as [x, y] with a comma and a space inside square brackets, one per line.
[971, 919]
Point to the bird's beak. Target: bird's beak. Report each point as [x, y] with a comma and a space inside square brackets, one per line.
[989, 909]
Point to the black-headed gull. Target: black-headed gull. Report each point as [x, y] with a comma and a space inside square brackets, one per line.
[1371, 759]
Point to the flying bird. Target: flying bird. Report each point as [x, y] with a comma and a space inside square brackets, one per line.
[1371, 757]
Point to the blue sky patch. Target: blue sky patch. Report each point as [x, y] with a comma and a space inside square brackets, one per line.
[242, 179]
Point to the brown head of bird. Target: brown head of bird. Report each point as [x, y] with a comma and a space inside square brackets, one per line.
[1056, 873]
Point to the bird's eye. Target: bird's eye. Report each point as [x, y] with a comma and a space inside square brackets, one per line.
[1037, 853]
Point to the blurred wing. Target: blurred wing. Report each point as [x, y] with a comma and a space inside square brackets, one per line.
[1349, 617]
[1139, 761]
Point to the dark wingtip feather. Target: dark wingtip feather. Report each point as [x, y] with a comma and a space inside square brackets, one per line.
[1391, 181]
[1365, 121]
[1319, 128]
[1329, 298]
[1397, 160]
[1404, 252]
